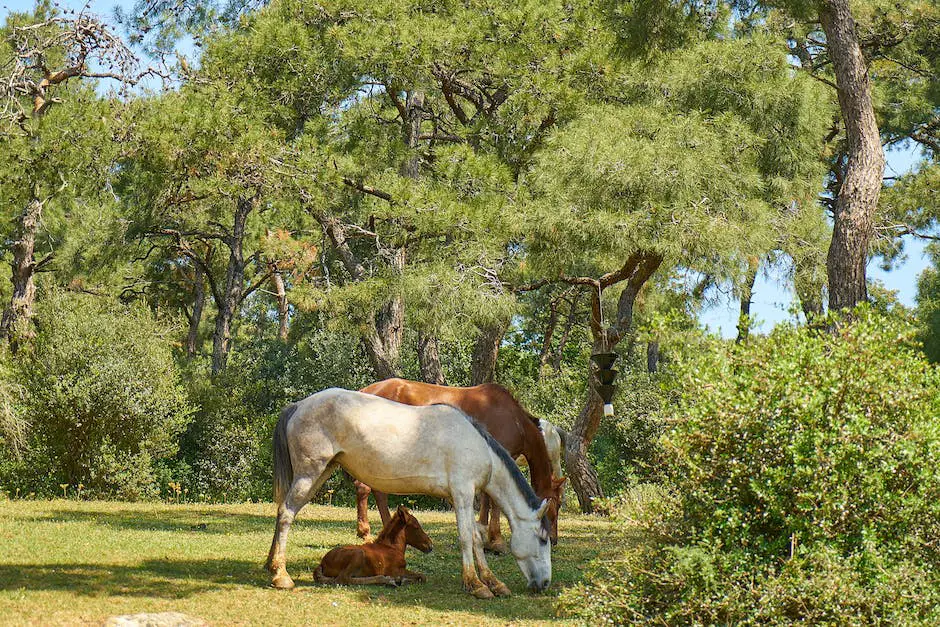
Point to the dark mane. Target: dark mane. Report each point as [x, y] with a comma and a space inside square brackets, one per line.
[395, 524]
[531, 499]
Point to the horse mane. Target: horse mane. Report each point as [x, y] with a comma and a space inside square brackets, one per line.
[395, 523]
[532, 500]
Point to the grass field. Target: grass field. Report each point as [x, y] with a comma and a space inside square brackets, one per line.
[79, 562]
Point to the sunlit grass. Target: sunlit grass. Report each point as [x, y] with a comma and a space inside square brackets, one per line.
[73, 562]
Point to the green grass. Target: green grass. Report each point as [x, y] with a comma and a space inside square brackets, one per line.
[78, 562]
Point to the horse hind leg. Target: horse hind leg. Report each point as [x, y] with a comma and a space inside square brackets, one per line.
[381, 503]
[362, 509]
[301, 491]
[494, 537]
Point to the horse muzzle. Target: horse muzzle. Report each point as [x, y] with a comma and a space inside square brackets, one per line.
[539, 586]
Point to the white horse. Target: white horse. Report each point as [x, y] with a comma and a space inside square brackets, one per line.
[554, 443]
[399, 449]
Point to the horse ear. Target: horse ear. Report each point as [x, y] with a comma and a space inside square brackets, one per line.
[559, 482]
[542, 509]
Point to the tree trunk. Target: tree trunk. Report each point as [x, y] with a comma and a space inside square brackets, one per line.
[581, 473]
[857, 201]
[429, 358]
[411, 133]
[231, 296]
[652, 356]
[636, 271]
[199, 302]
[383, 341]
[283, 309]
[381, 338]
[569, 325]
[15, 324]
[546, 353]
[485, 352]
[747, 292]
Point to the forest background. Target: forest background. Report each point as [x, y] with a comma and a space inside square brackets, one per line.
[212, 210]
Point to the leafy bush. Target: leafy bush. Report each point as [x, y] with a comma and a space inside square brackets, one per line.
[806, 469]
[226, 451]
[102, 395]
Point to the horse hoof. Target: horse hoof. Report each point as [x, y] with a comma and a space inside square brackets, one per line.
[500, 589]
[482, 592]
[282, 582]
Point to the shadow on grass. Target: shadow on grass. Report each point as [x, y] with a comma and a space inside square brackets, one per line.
[180, 578]
[166, 579]
[189, 520]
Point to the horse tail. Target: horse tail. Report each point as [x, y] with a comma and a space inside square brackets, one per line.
[283, 469]
[562, 434]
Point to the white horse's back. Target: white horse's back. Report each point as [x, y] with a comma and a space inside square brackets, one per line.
[392, 447]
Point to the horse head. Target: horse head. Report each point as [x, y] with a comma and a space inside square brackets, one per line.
[531, 547]
[414, 534]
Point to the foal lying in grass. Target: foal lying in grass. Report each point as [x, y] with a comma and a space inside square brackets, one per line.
[381, 561]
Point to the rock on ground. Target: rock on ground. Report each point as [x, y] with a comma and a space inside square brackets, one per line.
[162, 619]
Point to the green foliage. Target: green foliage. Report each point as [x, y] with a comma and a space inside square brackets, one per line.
[103, 398]
[804, 469]
[928, 306]
[700, 155]
[810, 438]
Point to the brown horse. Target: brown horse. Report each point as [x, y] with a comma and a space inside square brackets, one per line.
[378, 562]
[506, 420]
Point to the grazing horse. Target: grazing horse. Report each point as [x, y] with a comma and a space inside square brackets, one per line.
[437, 450]
[507, 421]
[555, 438]
[378, 562]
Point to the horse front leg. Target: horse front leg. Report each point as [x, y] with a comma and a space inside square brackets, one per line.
[362, 509]
[410, 575]
[496, 586]
[466, 530]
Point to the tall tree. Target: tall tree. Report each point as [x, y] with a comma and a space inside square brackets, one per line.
[46, 59]
[200, 178]
[691, 174]
[860, 185]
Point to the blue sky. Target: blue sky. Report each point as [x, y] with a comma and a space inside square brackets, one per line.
[773, 298]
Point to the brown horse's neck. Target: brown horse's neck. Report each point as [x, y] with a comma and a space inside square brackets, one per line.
[536, 455]
[393, 534]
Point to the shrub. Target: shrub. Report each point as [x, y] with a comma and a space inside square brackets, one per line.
[808, 437]
[102, 395]
[807, 487]
[226, 451]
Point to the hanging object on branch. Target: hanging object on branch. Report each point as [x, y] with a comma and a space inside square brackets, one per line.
[605, 377]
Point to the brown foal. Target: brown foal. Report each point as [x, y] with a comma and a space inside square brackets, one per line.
[494, 407]
[381, 561]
